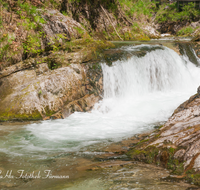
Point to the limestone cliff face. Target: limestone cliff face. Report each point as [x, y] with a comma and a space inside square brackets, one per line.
[30, 90]
[45, 71]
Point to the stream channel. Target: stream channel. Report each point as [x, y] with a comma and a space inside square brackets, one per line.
[85, 150]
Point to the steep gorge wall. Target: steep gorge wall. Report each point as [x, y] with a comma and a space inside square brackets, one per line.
[98, 16]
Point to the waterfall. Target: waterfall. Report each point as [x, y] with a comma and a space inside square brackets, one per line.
[159, 70]
[139, 92]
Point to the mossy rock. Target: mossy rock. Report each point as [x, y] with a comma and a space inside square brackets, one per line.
[12, 116]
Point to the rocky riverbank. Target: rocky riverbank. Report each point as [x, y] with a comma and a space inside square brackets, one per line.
[175, 145]
[50, 87]
[49, 68]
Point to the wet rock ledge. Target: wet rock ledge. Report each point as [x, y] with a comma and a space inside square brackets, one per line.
[51, 87]
[176, 144]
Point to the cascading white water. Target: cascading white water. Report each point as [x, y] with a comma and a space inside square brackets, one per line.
[138, 93]
[157, 71]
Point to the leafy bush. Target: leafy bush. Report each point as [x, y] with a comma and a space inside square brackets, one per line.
[32, 45]
[170, 13]
[32, 13]
[189, 12]
[138, 8]
[185, 31]
[6, 47]
[32, 20]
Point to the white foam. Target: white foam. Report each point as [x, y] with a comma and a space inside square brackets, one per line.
[138, 93]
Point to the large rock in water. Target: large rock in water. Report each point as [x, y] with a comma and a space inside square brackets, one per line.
[176, 144]
[29, 90]
[182, 131]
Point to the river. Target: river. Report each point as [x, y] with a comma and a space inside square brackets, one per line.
[140, 92]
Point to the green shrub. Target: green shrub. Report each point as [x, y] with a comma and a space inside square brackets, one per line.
[189, 12]
[185, 31]
[138, 8]
[64, 13]
[32, 45]
[32, 20]
[32, 13]
[170, 13]
[5, 47]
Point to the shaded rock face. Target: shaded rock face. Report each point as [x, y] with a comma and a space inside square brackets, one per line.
[99, 17]
[90, 13]
[31, 91]
[57, 23]
[191, 50]
[196, 48]
[171, 27]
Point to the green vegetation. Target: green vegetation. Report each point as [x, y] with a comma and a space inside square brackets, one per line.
[5, 46]
[11, 115]
[193, 176]
[28, 16]
[30, 20]
[170, 13]
[31, 11]
[87, 46]
[64, 13]
[32, 45]
[159, 156]
[3, 5]
[186, 31]
[79, 30]
[40, 92]
[49, 112]
[142, 141]
[138, 8]
[72, 1]
[179, 169]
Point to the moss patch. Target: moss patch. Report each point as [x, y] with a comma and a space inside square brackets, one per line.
[49, 112]
[12, 116]
[193, 177]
